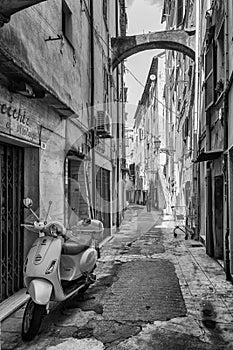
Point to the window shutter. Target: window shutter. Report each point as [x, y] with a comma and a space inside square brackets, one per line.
[209, 76]
[180, 12]
[105, 11]
[67, 22]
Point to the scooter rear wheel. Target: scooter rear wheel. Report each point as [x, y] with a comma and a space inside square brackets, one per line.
[32, 318]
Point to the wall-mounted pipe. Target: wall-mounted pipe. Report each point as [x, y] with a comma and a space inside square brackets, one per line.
[209, 226]
[226, 176]
[118, 125]
[92, 107]
[227, 230]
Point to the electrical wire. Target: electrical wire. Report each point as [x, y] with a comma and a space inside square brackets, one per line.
[136, 79]
[109, 48]
[35, 10]
[98, 35]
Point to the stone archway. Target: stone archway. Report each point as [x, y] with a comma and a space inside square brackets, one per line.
[178, 40]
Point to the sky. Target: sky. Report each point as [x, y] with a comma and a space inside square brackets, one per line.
[143, 16]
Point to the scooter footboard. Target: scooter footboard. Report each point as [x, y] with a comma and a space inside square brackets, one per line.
[40, 291]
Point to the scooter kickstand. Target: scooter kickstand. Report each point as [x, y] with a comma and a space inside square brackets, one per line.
[91, 278]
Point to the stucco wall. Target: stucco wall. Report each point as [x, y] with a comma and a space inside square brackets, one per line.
[52, 169]
[53, 63]
[230, 119]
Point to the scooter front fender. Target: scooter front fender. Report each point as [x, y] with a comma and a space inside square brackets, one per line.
[40, 291]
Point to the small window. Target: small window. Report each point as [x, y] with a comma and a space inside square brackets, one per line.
[209, 76]
[180, 12]
[105, 11]
[67, 22]
[220, 55]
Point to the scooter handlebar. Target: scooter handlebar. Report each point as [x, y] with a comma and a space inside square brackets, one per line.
[53, 228]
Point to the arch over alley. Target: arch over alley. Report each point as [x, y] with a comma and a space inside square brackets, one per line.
[178, 40]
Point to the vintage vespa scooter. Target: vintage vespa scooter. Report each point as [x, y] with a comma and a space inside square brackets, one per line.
[59, 264]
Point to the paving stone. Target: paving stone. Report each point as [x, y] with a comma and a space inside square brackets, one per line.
[145, 291]
[151, 293]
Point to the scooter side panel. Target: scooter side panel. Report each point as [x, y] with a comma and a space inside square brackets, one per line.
[74, 266]
[69, 267]
[88, 260]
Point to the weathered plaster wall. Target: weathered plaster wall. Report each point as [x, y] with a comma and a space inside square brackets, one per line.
[55, 64]
[230, 119]
[29, 124]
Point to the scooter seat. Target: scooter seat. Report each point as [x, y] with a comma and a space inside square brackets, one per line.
[71, 247]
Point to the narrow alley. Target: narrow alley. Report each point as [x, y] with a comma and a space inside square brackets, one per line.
[153, 291]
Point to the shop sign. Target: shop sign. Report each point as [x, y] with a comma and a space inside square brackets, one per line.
[17, 121]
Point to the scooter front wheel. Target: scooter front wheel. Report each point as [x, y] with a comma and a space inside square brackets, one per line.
[32, 318]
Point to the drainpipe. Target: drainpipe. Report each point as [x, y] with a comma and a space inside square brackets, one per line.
[227, 233]
[122, 135]
[209, 227]
[226, 176]
[195, 123]
[118, 127]
[196, 68]
[92, 109]
[209, 237]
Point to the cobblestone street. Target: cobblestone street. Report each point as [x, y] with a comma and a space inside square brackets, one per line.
[153, 291]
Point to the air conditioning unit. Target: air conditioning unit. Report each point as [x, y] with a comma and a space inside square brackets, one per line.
[103, 124]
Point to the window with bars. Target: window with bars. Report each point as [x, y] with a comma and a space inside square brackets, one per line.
[11, 234]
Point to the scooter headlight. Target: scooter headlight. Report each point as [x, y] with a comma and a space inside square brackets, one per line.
[53, 230]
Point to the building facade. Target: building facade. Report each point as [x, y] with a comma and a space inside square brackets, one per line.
[62, 122]
[180, 172]
[150, 139]
[200, 98]
[215, 132]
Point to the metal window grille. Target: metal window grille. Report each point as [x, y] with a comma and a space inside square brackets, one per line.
[11, 239]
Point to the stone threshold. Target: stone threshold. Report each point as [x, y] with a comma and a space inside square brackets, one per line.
[13, 303]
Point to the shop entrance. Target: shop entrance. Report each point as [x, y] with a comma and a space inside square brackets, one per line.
[11, 234]
[76, 191]
[103, 198]
[218, 216]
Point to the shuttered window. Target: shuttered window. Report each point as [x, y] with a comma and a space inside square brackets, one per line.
[180, 12]
[105, 12]
[67, 23]
[209, 76]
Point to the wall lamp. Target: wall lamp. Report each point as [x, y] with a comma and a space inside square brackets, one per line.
[25, 89]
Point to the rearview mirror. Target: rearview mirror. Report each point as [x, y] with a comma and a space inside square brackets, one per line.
[27, 202]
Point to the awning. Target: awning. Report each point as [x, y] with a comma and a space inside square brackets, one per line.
[9, 7]
[208, 155]
[15, 72]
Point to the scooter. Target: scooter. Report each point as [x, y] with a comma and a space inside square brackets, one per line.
[60, 263]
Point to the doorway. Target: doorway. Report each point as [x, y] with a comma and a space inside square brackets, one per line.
[103, 198]
[76, 193]
[11, 234]
[218, 217]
